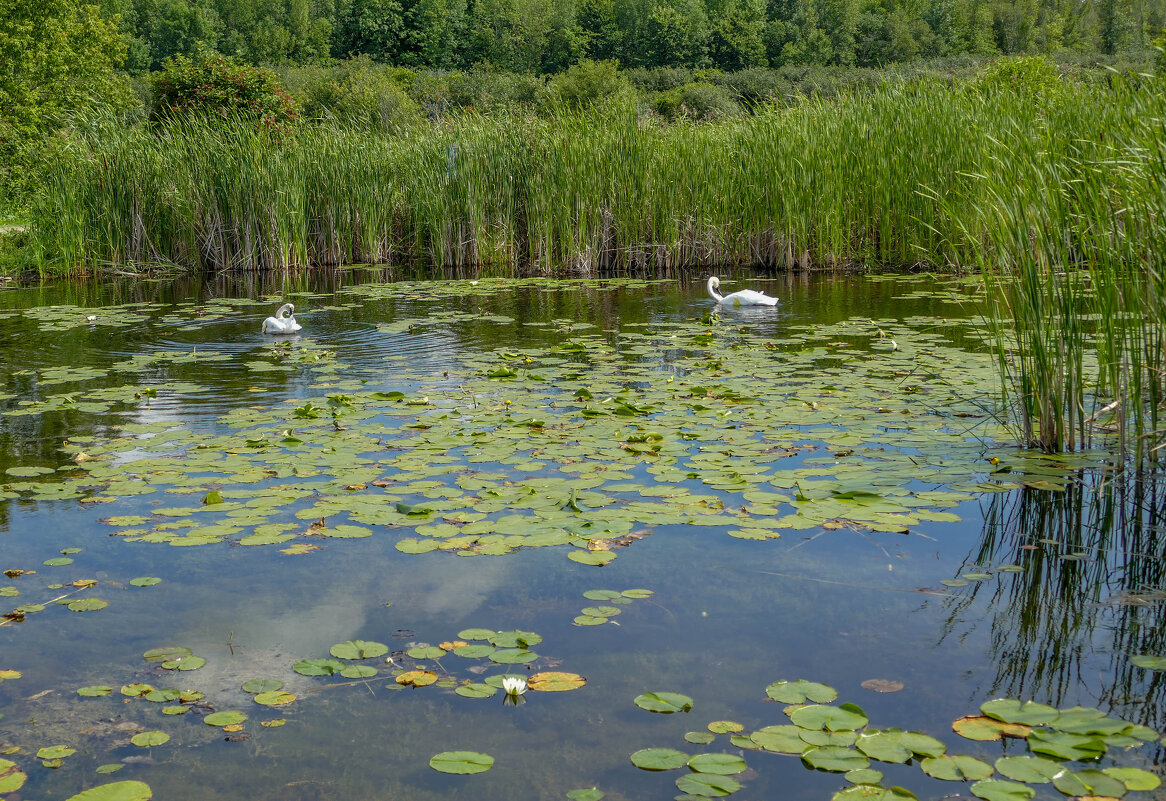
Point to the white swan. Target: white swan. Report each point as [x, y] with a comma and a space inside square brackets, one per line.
[746, 297]
[280, 324]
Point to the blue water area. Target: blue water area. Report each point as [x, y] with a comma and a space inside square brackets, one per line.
[726, 617]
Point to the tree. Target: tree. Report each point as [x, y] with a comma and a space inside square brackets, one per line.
[737, 34]
[57, 59]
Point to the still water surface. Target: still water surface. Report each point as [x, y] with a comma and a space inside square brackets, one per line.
[727, 616]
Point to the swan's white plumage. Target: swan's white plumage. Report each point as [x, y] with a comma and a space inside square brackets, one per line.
[746, 297]
[280, 324]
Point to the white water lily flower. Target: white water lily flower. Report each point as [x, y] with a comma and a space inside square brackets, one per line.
[514, 685]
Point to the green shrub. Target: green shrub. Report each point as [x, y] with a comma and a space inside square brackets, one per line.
[487, 90]
[358, 93]
[697, 101]
[1034, 75]
[214, 85]
[588, 83]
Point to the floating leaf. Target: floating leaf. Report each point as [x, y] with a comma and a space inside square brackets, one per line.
[595, 558]
[461, 762]
[883, 685]
[425, 652]
[664, 702]
[1149, 662]
[996, 790]
[834, 758]
[147, 739]
[318, 667]
[94, 691]
[145, 581]
[1063, 745]
[1028, 713]
[801, 691]
[725, 726]
[113, 767]
[780, 739]
[118, 791]
[87, 605]
[1135, 779]
[256, 686]
[55, 752]
[59, 561]
[585, 794]
[1089, 782]
[359, 649]
[722, 764]
[956, 768]
[551, 682]
[659, 759]
[476, 690]
[166, 654]
[702, 737]
[228, 717]
[512, 656]
[358, 671]
[872, 792]
[707, 785]
[978, 727]
[1028, 769]
[417, 678]
[864, 776]
[274, 698]
[847, 717]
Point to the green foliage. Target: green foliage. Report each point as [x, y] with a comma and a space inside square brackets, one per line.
[1029, 75]
[213, 85]
[589, 83]
[57, 60]
[359, 93]
[699, 101]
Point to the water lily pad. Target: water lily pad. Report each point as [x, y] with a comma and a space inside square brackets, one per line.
[512, 656]
[1063, 745]
[595, 558]
[1135, 779]
[55, 752]
[979, 727]
[417, 678]
[725, 726]
[87, 605]
[585, 794]
[118, 791]
[800, 692]
[359, 649]
[780, 739]
[556, 682]
[1028, 769]
[147, 739]
[318, 667]
[846, 717]
[873, 792]
[722, 764]
[707, 785]
[256, 686]
[1089, 782]
[228, 717]
[702, 737]
[274, 698]
[145, 581]
[461, 762]
[476, 690]
[1149, 662]
[94, 691]
[1011, 711]
[664, 702]
[864, 776]
[659, 759]
[956, 768]
[834, 758]
[997, 790]
[358, 671]
[112, 767]
[426, 652]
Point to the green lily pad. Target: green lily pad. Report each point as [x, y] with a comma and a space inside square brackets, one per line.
[1010, 711]
[664, 702]
[846, 717]
[274, 698]
[1089, 782]
[595, 558]
[1149, 662]
[864, 776]
[358, 671]
[699, 737]
[585, 794]
[800, 692]
[94, 691]
[228, 717]
[659, 759]
[461, 762]
[476, 690]
[721, 764]
[997, 790]
[780, 739]
[1135, 779]
[147, 739]
[318, 667]
[426, 652]
[256, 686]
[707, 785]
[956, 768]
[1063, 745]
[1028, 769]
[836, 759]
[359, 649]
[145, 581]
[118, 791]
[512, 656]
[873, 792]
[55, 752]
[87, 605]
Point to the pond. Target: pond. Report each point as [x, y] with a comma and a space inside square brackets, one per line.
[734, 551]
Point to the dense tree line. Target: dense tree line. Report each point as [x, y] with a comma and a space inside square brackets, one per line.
[547, 36]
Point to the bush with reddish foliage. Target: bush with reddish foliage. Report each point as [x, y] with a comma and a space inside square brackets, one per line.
[214, 85]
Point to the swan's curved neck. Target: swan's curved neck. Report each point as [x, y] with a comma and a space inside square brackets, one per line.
[289, 308]
[713, 283]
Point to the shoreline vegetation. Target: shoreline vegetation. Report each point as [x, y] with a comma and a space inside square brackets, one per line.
[1052, 189]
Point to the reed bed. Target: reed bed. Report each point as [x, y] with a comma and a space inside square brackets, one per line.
[1058, 195]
